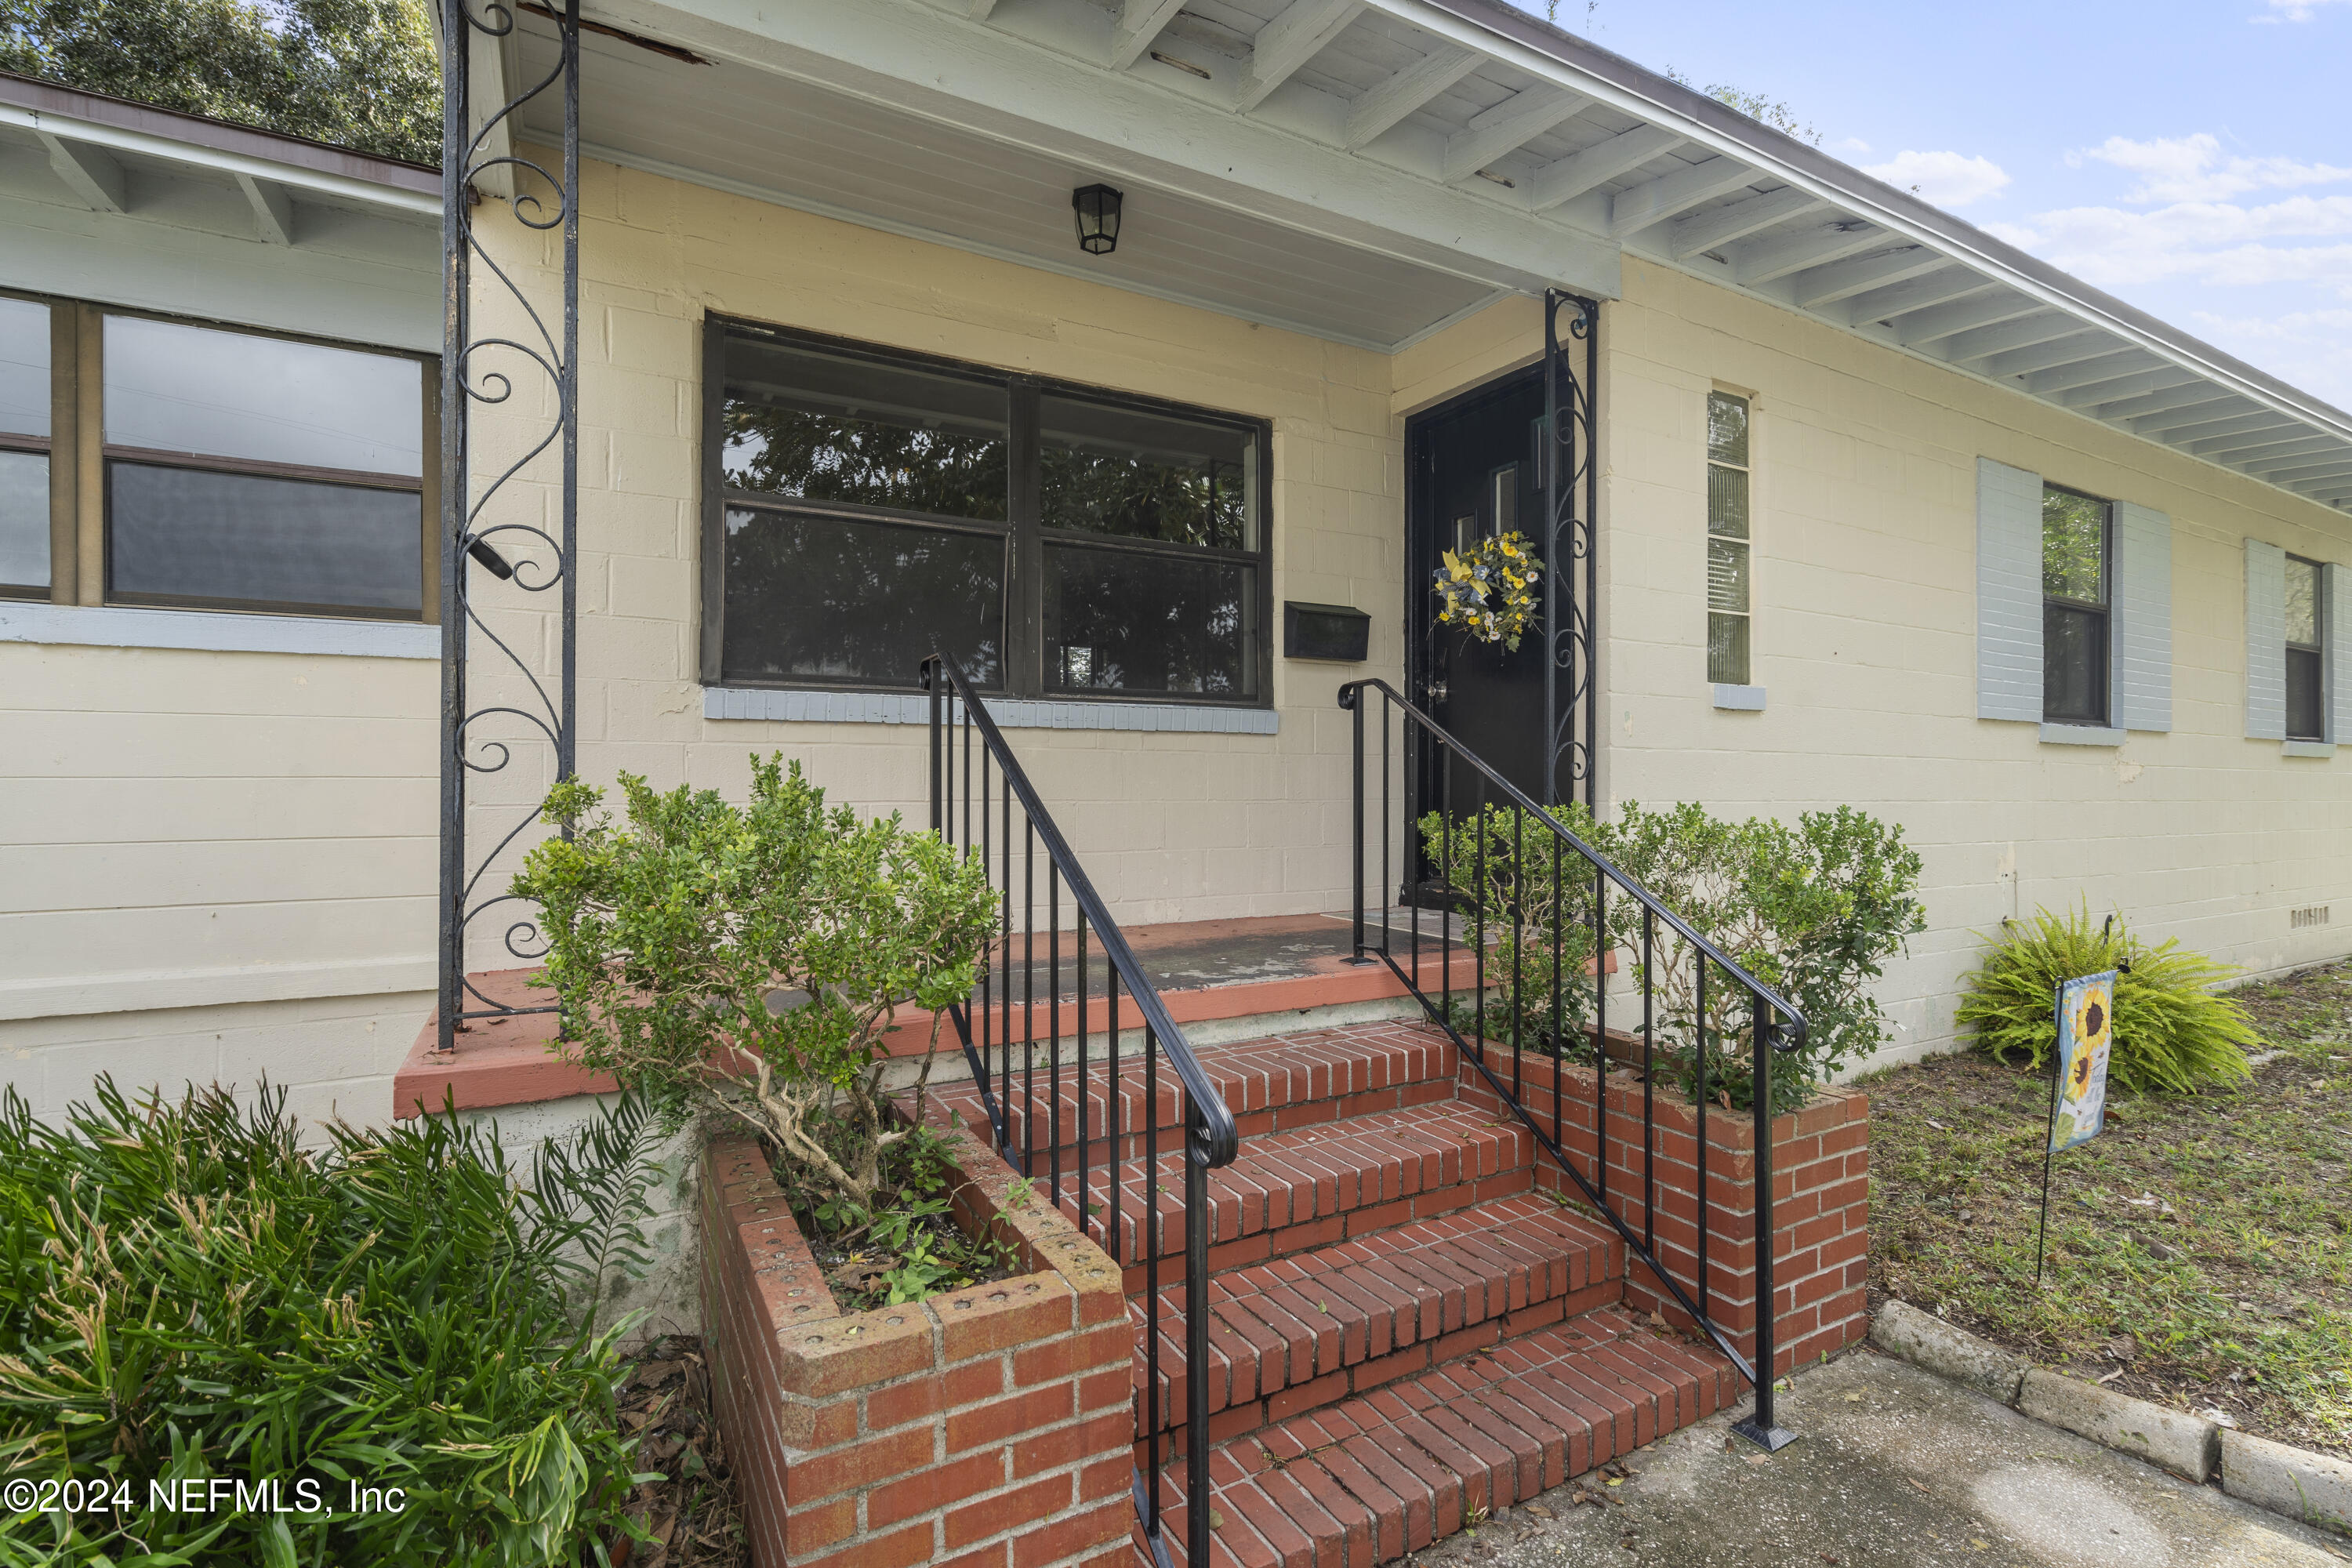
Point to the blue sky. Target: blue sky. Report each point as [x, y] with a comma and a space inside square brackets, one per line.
[2193, 158]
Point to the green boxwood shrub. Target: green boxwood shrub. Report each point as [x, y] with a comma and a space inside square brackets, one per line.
[1813, 909]
[188, 1293]
[2173, 1033]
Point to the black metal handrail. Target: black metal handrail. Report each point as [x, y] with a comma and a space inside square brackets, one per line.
[1777, 1026]
[1001, 1042]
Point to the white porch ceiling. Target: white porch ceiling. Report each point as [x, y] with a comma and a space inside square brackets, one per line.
[1366, 169]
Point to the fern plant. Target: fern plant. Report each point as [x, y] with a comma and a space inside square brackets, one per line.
[2173, 1032]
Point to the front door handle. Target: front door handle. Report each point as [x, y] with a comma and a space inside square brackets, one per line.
[1436, 692]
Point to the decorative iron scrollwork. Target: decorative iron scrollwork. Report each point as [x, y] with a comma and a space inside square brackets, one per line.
[471, 375]
[1571, 496]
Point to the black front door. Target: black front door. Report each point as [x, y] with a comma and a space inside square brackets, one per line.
[1473, 463]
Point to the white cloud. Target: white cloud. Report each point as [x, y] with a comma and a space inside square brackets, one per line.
[2192, 168]
[1947, 179]
[2294, 10]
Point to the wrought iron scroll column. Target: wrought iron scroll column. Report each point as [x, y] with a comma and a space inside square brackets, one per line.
[468, 531]
[1571, 482]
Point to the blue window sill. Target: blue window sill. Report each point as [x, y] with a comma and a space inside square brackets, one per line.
[2083, 735]
[1009, 712]
[1739, 699]
[2307, 748]
[211, 631]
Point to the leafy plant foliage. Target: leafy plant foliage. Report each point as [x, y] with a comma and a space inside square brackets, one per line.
[359, 73]
[2173, 1033]
[752, 958]
[1813, 910]
[186, 1292]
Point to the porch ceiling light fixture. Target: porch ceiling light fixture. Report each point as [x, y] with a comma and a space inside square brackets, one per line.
[1097, 209]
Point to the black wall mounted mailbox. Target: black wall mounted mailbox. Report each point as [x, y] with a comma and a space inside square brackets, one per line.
[1335, 632]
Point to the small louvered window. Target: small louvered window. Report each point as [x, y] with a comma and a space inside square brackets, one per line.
[1728, 590]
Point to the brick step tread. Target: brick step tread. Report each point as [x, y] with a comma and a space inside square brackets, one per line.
[1270, 1085]
[1388, 1473]
[1317, 1326]
[1292, 1192]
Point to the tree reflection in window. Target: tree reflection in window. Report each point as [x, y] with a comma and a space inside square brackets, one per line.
[1139, 475]
[840, 599]
[1121, 621]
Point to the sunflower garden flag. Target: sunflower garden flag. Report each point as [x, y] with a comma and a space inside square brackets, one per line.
[2086, 1017]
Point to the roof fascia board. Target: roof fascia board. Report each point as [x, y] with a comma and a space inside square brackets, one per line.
[1548, 54]
[1012, 88]
[121, 139]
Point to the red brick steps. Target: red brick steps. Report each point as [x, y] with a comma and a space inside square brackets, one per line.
[1384, 1473]
[1404, 1331]
[1315, 1327]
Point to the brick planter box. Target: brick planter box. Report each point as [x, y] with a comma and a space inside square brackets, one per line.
[1820, 1201]
[987, 1428]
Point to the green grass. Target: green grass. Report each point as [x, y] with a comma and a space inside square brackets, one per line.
[2200, 1245]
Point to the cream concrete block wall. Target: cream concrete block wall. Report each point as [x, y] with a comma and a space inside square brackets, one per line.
[1171, 825]
[1865, 595]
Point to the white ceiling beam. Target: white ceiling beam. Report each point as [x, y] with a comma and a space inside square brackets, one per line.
[2213, 400]
[1705, 231]
[1636, 208]
[1762, 260]
[2199, 423]
[1818, 286]
[1377, 109]
[979, 10]
[1508, 127]
[1565, 179]
[2319, 471]
[1139, 22]
[2122, 361]
[1288, 42]
[1920, 327]
[1983, 343]
[1953, 282]
[2290, 440]
[2167, 380]
[2087, 344]
[273, 212]
[93, 176]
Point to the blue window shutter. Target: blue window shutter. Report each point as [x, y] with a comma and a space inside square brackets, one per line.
[2265, 641]
[2336, 594]
[2143, 618]
[2009, 593]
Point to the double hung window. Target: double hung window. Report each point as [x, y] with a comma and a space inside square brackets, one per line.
[865, 508]
[2075, 544]
[231, 469]
[2306, 678]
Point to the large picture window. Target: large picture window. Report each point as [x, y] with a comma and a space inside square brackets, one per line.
[231, 469]
[867, 508]
[2075, 543]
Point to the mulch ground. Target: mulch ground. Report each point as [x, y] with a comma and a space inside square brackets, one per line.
[2199, 1250]
[692, 1509]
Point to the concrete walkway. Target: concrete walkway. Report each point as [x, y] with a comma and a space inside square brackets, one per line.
[1894, 1466]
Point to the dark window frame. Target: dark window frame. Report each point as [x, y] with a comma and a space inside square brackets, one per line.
[2314, 656]
[82, 468]
[1025, 536]
[2103, 609]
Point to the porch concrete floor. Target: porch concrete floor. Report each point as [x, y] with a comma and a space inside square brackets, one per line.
[1202, 955]
[1894, 1467]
